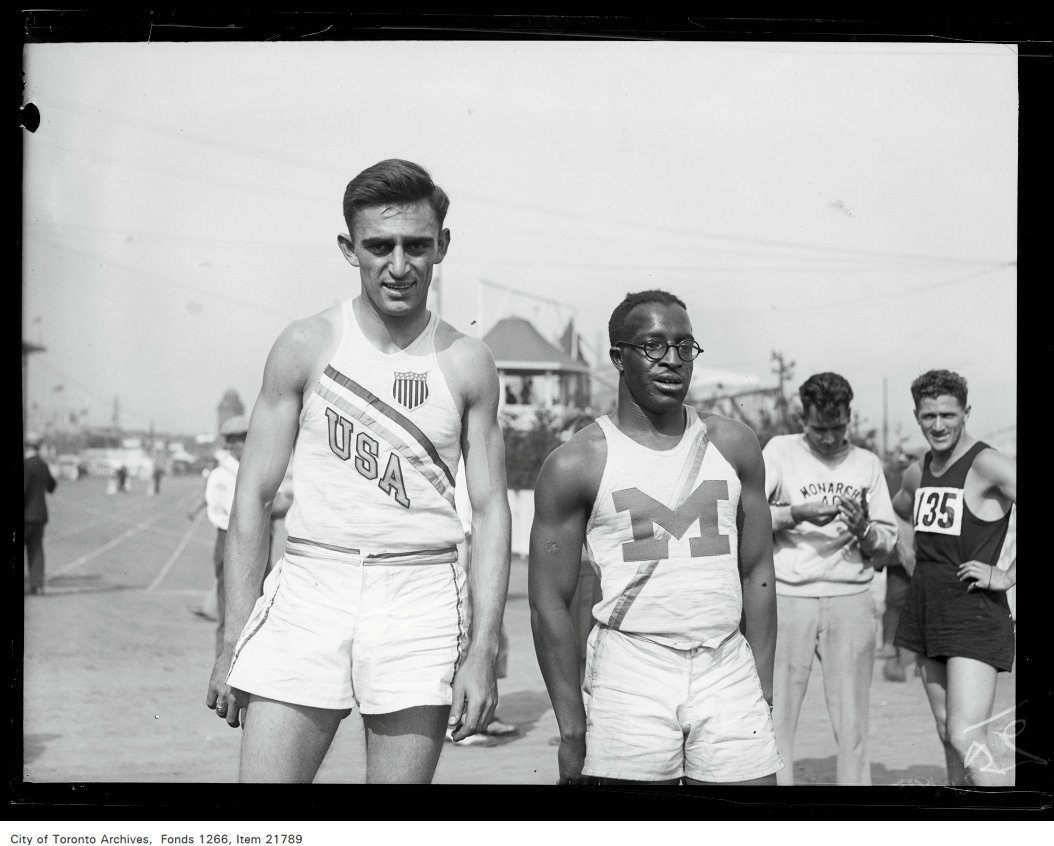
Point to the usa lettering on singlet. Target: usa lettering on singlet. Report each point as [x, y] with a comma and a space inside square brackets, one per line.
[378, 446]
[663, 539]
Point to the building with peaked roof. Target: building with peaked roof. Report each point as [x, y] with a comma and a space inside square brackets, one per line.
[27, 350]
[230, 406]
[535, 373]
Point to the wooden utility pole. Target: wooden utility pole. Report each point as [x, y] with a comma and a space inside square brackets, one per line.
[885, 417]
[783, 371]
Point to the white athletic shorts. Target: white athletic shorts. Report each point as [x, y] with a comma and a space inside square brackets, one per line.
[655, 713]
[337, 633]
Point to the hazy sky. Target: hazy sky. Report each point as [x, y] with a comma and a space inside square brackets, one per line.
[850, 205]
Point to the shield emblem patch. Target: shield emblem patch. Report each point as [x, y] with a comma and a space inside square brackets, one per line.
[410, 389]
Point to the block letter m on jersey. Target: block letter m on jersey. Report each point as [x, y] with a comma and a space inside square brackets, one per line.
[647, 513]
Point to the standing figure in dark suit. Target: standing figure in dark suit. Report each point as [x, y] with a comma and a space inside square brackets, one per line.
[37, 480]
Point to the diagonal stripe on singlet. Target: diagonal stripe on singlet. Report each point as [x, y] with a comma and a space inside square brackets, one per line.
[378, 428]
[682, 490]
[372, 399]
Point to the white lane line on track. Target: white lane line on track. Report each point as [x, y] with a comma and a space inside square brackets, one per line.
[95, 553]
[69, 534]
[173, 557]
[122, 509]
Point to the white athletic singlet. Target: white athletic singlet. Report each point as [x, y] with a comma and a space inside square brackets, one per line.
[376, 454]
[663, 539]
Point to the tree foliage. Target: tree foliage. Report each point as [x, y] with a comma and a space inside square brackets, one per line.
[526, 449]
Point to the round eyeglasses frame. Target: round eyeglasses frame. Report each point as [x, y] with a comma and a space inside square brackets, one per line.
[686, 350]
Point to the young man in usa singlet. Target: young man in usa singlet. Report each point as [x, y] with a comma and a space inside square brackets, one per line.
[957, 500]
[366, 607]
[671, 505]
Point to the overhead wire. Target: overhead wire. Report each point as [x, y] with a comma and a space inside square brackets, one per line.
[883, 295]
[91, 392]
[697, 268]
[946, 329]
[156, 279]
[951, 328]
[794, 251]
[255, 151]
[820, 264]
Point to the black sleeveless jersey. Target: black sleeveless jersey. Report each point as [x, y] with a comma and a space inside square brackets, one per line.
[946, 531]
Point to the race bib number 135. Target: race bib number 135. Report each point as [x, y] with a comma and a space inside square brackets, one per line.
[939, 510]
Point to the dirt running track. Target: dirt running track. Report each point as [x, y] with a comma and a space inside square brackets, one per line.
[116, 666]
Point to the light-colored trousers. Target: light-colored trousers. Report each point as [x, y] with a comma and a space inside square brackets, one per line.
[840, 631]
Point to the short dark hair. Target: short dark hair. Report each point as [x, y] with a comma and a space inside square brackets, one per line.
[938, 383]
[393, 182]
[617, 323]
[825, 392]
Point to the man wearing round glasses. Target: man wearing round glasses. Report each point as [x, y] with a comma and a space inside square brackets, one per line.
[671, 505]
[656, 348]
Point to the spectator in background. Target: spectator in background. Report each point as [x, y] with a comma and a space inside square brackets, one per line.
[283, 501]
[36, 482]
[219, 500]
[155, 477]
[898, 578]
[121, 478]
[510, 397]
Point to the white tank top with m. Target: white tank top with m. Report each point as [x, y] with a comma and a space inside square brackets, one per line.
[376, 453]
[662, 537]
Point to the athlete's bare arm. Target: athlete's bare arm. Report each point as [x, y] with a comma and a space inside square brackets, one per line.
[739, 444]
[563, 500]
[292, 363]
[991, 488]
[469, 368]
[998, 474]
[906, 544]
[904, 499]
[904, 507]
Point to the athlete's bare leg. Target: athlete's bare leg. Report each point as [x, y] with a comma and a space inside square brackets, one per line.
[971, 695]
[283, 742]
[935, 682]
[403, 747]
